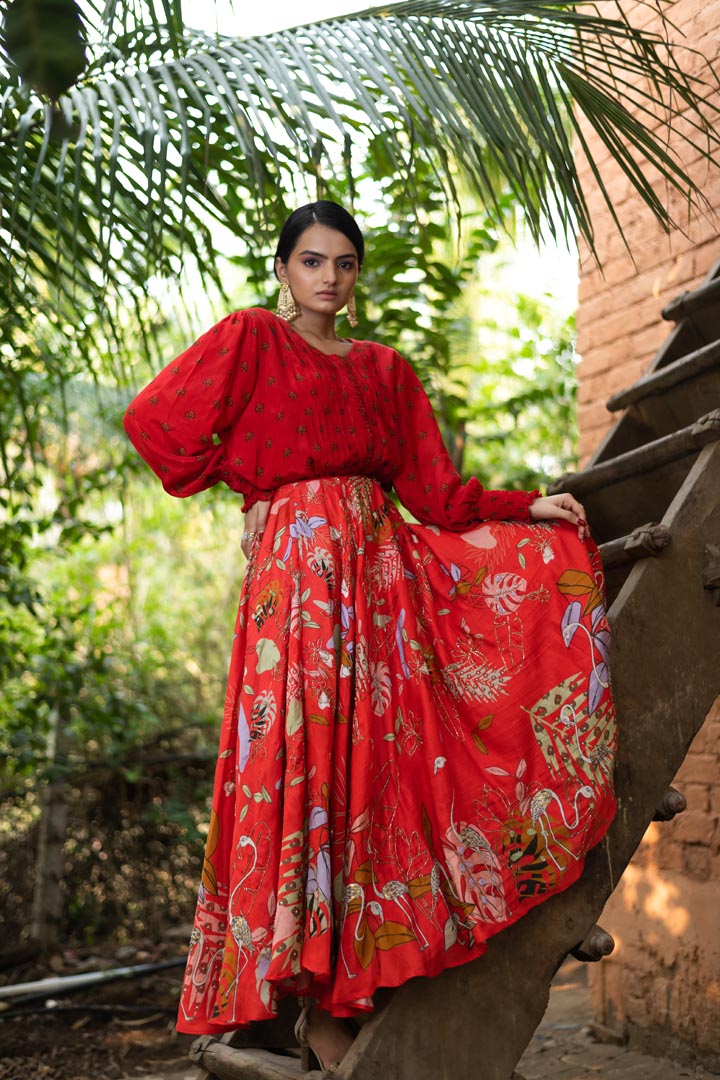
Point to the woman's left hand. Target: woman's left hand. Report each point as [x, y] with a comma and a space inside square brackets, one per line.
[255, 520]
[564, 506]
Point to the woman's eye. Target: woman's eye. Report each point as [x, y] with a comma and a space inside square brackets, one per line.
[346, 265]
[310, 262]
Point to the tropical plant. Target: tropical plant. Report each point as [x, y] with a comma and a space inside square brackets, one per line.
[168, 129]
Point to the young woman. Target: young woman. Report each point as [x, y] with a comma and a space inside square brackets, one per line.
[418, 735]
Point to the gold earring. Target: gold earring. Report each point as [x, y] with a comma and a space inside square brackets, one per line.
[352, 317]
[287, 308]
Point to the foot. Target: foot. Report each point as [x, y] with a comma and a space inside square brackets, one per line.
[329, 1037]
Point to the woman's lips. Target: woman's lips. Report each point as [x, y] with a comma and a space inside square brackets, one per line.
[327, 295]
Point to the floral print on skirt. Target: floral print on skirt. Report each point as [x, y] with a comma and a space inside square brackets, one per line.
[416, 749]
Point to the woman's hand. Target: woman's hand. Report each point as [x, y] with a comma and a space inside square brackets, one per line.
[563, 506]
[254, 526]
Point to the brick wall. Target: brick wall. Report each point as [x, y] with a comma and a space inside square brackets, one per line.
[661, 986]
[619, 324]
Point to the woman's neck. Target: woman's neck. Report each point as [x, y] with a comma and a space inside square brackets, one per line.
[321, 327]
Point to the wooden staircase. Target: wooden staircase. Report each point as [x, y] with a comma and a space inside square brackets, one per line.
[652, 493]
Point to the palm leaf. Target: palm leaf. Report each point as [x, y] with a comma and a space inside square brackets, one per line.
[493, 84]
[171, 135]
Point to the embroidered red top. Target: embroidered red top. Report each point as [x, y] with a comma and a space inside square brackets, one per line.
[251, 403]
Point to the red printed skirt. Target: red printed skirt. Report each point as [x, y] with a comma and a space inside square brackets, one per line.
[416, 749]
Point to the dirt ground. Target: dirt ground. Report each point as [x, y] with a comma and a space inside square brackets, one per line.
[81, 1045]
[131, 1035]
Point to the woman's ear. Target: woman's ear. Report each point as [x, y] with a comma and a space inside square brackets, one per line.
[280, 270]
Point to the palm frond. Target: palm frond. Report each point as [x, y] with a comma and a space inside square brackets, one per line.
[170, 134]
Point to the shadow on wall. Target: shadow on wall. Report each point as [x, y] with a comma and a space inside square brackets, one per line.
[661, 985]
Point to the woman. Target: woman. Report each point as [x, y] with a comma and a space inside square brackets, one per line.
[418, 734]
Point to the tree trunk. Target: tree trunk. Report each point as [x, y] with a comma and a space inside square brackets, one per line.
[48, 897]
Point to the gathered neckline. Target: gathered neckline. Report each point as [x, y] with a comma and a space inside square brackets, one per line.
[340, 356]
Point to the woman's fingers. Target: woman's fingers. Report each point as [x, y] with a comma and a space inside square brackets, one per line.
[255, 521]
[564, 507]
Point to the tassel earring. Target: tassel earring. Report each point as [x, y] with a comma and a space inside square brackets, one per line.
[352, 317]
[287, 308]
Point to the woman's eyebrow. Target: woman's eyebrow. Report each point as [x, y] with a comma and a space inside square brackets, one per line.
[320, 255]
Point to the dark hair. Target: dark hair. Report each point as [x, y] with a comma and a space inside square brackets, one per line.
[322, 212]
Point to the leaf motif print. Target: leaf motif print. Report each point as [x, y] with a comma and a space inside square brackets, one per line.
[427, 827]
[391, 934]
[381, 687]
[482, 725]
[209, 875]
[364, 943]
[571, 621]
[276, 505]
[510, 639]
[400, 637]
[419, 886]
[385, 568]
[268, 655]
[450, 933]
[475, 871]
[243, 738]
[601, 640]
[294, 717]
[579, 583]
[263, 714]
[504, 593]
[481, 537]
[320, 562]
[597, 685]
[470, 679]
[361, 822]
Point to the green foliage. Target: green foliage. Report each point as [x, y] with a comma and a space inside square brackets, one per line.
[521, 427]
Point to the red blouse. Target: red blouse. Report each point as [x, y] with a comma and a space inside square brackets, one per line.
[253, 404]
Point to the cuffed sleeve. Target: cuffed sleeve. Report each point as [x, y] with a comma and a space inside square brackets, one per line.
[428, 483]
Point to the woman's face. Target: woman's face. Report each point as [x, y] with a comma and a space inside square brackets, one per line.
[321, 270]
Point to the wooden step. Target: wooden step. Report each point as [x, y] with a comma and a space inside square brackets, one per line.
[635, 487]
[647, 458]
[692, 303]
[637, 425]
[685, 370]
[229, 1063]
[671, 397]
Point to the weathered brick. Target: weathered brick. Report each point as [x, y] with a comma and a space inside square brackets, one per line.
[601, 358]
[706, 21]
[609, 382]
[669, 857]
[692, 827]
[701, 769]
[594, 415]
[697, 795]
[697, 862]
[707, 740]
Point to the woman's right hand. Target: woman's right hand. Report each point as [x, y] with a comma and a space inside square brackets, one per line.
[255, 521]
[564, 506]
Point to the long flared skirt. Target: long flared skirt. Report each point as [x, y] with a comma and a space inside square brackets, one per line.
[416, 749]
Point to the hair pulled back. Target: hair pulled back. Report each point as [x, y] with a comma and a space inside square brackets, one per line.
[322, 212]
